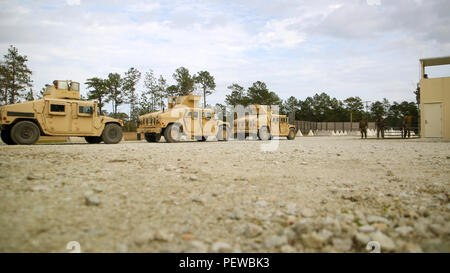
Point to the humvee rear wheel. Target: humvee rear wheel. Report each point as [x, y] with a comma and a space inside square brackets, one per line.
[151, 137]
[6, 137]
[291, 134]
[223, 134]
[25, 133]
[112, 133]
[172, 133]
[93, 139]
[263, 133]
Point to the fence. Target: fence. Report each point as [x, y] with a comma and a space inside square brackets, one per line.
[306, 126]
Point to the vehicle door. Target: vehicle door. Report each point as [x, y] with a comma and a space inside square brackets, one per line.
[275, 126]
[208, 123]
[58, 116]
[196, 123]
[188, 124]
[284, 126]
[82, 117]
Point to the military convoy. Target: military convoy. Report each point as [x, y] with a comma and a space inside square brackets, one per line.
[264, 124]
[59, 113]
[183, 117]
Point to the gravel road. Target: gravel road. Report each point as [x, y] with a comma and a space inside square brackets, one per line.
[313, 194]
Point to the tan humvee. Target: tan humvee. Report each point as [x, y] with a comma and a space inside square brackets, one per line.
[264, 124]
[59, 113]
[183, 117]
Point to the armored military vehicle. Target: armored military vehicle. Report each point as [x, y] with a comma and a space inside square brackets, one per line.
[183, 117]
[263, 123]
[59, 113]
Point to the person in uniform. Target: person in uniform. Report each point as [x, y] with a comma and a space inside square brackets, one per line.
[407, 122]
[363, 127]
[380, 126]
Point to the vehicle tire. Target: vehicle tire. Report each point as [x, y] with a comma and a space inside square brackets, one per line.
[291, 134]
[152, 137]
[6, 137]
[264, 134]
[93, 139]
[223, 135]
[172, 133]
[25, 133]
[112, 133]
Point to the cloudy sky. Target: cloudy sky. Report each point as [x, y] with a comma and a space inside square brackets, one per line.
[366, 48]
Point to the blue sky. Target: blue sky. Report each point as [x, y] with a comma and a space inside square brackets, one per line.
[366, 48]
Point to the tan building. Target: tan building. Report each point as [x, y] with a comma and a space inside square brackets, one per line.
[434, 101]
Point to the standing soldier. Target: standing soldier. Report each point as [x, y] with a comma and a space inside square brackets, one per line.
[407, 122]
[380, 126]
[363, 127]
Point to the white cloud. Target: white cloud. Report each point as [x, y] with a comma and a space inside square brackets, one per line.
[73, 2]
[373, 2]
[278, 33]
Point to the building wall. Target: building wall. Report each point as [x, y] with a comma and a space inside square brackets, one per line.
[436, 90]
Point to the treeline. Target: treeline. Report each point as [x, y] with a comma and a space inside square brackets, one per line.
[117, 89]
[121, 89]
[323, 108]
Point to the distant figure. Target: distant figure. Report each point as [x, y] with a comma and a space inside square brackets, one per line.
[380, 126]
[363, 127]
[407, 122]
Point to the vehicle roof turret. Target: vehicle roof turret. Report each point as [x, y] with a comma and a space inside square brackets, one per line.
[62, 89]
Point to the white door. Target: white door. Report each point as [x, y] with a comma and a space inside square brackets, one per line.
[432, 113]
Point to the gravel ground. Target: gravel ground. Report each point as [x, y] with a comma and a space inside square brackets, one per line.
[313, 194]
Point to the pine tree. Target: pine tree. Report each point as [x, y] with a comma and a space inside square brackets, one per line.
[15, 77]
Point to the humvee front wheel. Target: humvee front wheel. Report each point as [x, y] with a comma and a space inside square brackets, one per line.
[263, 133]
[25, 133]
[6, 137]
[172, 133]
[93, 139]
[152, 137]
[112, 133]
[291, 134]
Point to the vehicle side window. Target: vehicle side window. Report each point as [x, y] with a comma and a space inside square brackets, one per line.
[85, 110]
[208, 115]
[195, 115]
[189, 114]
[57, 108]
